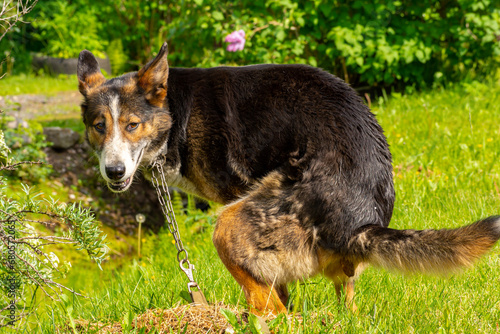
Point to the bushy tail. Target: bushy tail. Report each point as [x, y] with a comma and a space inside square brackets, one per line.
[426, 251]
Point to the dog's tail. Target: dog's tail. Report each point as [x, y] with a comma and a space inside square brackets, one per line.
[426, 251]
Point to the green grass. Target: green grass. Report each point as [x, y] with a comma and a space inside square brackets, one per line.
[29, 84]
[445, 147]
[70, 120]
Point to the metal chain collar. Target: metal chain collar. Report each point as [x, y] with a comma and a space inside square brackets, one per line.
[168, 211]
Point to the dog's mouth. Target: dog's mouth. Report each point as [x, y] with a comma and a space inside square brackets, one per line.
[120, 186]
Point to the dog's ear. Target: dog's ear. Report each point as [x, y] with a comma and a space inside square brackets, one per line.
[153, 78]
[89, 73]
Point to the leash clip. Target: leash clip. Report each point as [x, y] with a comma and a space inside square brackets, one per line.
[188, 271]
[197, 295]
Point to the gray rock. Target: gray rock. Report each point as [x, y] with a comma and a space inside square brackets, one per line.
[61, 138]
[64, 65]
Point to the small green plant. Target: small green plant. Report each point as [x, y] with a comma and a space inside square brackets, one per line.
[27, 143]
[239, 326]
[117, 57]
[66, 307]
[27, 262]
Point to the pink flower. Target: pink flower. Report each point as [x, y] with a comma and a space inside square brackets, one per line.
[236, 40]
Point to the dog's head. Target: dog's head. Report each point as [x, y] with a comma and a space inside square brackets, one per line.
[126, 118]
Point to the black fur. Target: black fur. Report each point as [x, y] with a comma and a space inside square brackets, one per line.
[300, 120]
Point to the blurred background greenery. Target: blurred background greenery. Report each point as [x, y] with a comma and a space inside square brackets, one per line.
[414, 43]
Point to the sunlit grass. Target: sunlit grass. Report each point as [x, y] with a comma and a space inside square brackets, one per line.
[445, 147]
[30, 84]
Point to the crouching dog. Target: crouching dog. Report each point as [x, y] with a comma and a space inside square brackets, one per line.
[301, 164]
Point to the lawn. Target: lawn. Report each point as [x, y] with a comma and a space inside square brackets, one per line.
[445, 145]
[43, 84]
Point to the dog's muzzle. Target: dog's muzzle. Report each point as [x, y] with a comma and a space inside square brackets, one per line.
[120, 186]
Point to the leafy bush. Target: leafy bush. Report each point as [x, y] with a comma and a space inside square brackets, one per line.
[66, 28]
[380, 42]
[363, 42]
[26, 263]
[13, 48]
[14, 53]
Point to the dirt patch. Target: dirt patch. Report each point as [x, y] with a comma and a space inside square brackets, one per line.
[204, 319]
[29, 106]
[180, 319]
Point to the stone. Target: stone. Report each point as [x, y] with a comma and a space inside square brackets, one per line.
[61, 138]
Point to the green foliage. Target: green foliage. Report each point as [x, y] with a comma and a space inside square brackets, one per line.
[117, 57]
[12, 50]
[140, 25]
[375, 43]
[25, 251]
[15, 57]
[26, 142]
[31, 225]
[66, 28]
[4, 150]
[177, 204]
[363, 42]
[66, 306]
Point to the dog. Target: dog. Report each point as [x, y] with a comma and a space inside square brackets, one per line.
[300, 162]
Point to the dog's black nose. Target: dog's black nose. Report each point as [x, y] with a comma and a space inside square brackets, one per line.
[115, 172]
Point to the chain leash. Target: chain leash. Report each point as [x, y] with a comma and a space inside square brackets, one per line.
[168, 211]
[161, 188]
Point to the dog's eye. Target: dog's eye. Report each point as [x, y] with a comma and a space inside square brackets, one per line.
[132, 126]
[99, 127]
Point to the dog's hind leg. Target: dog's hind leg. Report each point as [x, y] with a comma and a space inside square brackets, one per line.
[346, 289]
[262, 298]
[233, 246]
[283, 293]
[264, 245]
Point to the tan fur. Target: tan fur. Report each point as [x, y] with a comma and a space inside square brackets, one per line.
[429, 251]
[263, 297]
[129, 88]
[197, 177]
[207, 184]
[91, 82]
[153, 79]
[145, 130]
[95, 138]
[342, 272]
